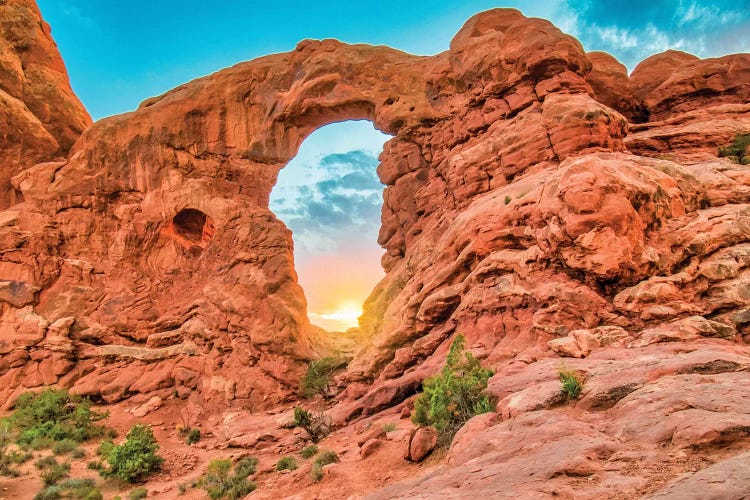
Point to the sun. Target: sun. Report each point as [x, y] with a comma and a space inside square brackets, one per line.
[344, 316]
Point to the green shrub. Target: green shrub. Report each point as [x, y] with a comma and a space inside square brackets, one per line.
[317, 425]
[19, 457]
[571, 386]
[389, 427]
[318, 375]
[508, 199]
[326, 457]
[95, 465]
[45, 462]
[286, 463]
[738, 150]
[64, 446]
[6, 458]
[78, 453]
[193, 436]
[138, 493]
[246, 466]
[219, 481]
[316, 473]
[83, 489]
[135, 459]
[455, 395]
[51, 470]
[51, 416]
[309, 451]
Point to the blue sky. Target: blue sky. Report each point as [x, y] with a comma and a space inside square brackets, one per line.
[120, 53]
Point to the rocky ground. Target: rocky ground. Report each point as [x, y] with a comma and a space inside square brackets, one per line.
[553, 209]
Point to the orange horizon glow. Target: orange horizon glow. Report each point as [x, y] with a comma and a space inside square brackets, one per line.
[336, 286]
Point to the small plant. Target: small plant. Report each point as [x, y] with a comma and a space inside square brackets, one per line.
[508, 199]
[246, 466]
[455, 395]
[318, 375]
[183, 487]
[133, 460]
[317, 425]
[738, 150]
[316, 473]
[64, 446]
[309, 451]
[6, 458]
[389, 427]
[72, 488]
[78, 453]
[95, 465]
[286, 463]
[138, 493]
[219, 481]
[53, 416]
[571, 386]
[193, 436]
[324, 458]
[51, 470]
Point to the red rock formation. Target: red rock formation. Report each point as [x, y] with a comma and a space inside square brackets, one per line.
[40, 116]
[521, 210]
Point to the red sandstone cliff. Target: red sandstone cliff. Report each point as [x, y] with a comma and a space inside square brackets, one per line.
[40, 116]
[539, 200]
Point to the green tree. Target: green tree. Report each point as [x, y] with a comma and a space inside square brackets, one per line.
[455, 395]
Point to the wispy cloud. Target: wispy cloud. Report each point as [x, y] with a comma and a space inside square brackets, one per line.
[632, 30]
[344, 202]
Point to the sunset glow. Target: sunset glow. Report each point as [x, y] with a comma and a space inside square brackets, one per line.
[345, 316]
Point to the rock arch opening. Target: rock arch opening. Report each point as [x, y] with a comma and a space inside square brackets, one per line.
[194, 226]
[331, 197]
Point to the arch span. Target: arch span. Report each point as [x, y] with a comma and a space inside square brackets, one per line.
[230, 324]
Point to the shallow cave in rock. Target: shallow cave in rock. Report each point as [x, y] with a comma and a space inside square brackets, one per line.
[190, 224]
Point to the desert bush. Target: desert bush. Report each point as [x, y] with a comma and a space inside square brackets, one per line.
[83, 489]
[389, 427]
[138, 493]
[246, 466]
[51, 470]
[318, 375]
[191, 434]
[316, 473]
[6, 457]
[220, 482]
[738, 150]
[571, 386]
[78, 453]
[134, 459]
[309, 451]
[64, 446]
[53, 416]
[455, 395]
[286, 463]
[324, 458]
[317, 425]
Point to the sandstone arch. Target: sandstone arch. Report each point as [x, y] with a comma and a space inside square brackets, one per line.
[498, 219]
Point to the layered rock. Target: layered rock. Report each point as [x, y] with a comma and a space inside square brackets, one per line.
[522, 209]
[40, 116]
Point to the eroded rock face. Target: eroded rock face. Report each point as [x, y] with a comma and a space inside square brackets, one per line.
[522, 209]
[40, 116]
